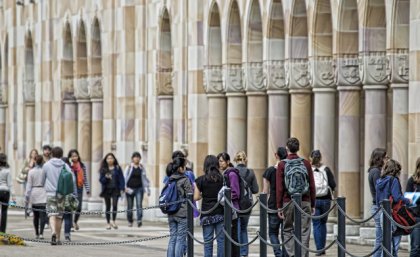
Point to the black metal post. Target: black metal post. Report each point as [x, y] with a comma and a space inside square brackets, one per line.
[298, 224]
[263, 225]
[341, 237]
[228, 222]
[386, 228]
[190, 224]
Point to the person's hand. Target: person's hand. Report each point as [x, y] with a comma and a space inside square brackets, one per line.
[410, 200]
[313, 211]
[281, 215]
[108, 176]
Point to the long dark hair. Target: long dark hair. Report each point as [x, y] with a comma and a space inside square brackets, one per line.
[211, 170]
[104, 164]
[377, 158]
[226, 157]
[3, 161]
[72, 151]
[316, 157]
[174, 166]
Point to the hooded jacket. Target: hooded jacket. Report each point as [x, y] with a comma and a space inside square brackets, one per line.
[387, 186]
[52, 170]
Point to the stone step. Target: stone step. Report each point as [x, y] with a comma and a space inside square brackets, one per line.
[356, 240]
[351, 230]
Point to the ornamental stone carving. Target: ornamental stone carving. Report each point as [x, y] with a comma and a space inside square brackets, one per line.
[321, 72]
[297, 74]
[398, 67]
[347, 71]
[3, 93]
[276, 77]
[233, 78]
[29, 91]
[373, 68]
[255, 78]
[95, 88]
[81, 91]
[164, 77]
[67, 89]
[213, 79]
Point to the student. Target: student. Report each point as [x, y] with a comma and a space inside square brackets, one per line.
[68, 216]
[376, 162]
[389, 185]
[208, 187]
[269, 187]
[27, 166]
[413, 185]
[79, 171]
[6, 190]
[178, 221]
[249, 176]
[46, 152]
[113, 185]
[283, 196]
[136, 183]
[325, 185]
[37, 196]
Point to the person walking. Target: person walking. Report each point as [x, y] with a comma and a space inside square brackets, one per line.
[79, 171]
[37, 196]
[68, 215]
[231, 174]
[413, 185]
[269, 187]
[389, 185]
[178, 221]
[28, 164]
[377, 160]
[136, 183]
[207, 189]
[243, 219]
[305, 187]
[325, 185]
[6, 190]
[46, 152]
[113, 185]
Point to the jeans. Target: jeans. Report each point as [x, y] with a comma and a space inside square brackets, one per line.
[178, 232]
[209, 232]
[289, 227]
[243, 234]
[67, 217]
[378, 229]
[395, 240]
[39, 218]
[235, 229]
[415, 241]
[274, 224]
[138, 195]
[79, 207]
[4, 198]
[320, 225]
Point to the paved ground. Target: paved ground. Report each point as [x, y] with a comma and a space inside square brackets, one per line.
[93, 230]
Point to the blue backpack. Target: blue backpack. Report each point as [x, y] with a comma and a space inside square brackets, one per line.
[169, 195]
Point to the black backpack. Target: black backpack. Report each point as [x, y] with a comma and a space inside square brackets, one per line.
[245, 195]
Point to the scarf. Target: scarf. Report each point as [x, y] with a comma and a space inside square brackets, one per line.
[78, 171]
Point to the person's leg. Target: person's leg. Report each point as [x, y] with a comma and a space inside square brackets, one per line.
[243, 234]
[42, 219]
[396, 240]
[173, 227]
[288, 230]
[79, 207]
[5, 197]
[316, 223]
[107, 209]
[273, 233]
[326, 205]
[139, 204]
[181, 237]
[378, 230]
[130, 199]
[67, 224]
[208, 233]
[415, 241]
[306, 227]
[235, 249]
[220, 239]
[36, 219]
[114, 208]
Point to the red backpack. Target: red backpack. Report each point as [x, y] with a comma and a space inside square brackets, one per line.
[401, 214]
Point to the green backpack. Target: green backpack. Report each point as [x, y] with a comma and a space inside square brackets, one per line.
[65, 182]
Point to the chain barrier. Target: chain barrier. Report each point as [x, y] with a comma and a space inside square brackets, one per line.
[237, 243]
[358, 222]
[272, 211]
[246, 211]
[201, 211]
[313, 251]
[388, 253]
[312, 216]
[204, 242]
[352, 255]
[270, 244]
[417, 225]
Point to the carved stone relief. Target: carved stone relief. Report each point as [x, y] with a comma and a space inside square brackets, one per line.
[297, 74]
[164, 82]
[321, 72]
[347, 71]
[233, 78]
[255, 79]
[67, 89]
[276, 77]
[373, 68]
[398, 67]
[95, 88]
[81, 91]
[213, 79]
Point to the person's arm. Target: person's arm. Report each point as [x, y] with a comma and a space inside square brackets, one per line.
[146, 181]
[10, 185]
[121, 180]
[266, 187]
[28, 188]
[254, 184]
[331, 180]
[396, 192]
[197, 194]
[410, 185]
[85, 180]
[312, 188]
[279, 185]
[234, 185]
[102, 178]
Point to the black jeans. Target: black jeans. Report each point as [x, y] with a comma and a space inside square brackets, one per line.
[108, 208]
[4, 198]
[39, 218]
[235, 249]
[79, 207]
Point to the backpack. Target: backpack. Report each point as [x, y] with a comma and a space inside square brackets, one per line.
[296, 176]
[321, 181]
[245, 194]
[169, 195]
[65, 184]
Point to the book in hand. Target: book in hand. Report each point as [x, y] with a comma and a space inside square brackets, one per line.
[414, 196]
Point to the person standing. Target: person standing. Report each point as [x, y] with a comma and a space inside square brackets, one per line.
[376, 162]
[46, 152]
[37, 196]
[249, 176]
[413, 185]
[269, 187]
[80, 173]
[325, 185]
[113, 185]
[283, 196]
[136, 183]
[208, 187]
[6, 190]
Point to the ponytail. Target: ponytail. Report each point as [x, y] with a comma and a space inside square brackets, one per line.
[174, 166]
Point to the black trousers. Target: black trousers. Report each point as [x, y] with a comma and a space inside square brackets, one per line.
[40, 218]
[108, 208]
[4, 198]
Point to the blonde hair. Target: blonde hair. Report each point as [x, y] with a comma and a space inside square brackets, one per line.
[240, 157]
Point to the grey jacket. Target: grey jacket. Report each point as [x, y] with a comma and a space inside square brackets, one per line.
[35, 191]
[145, 181]
[184, 187]
[52, 170]
[251, 180]
[6, 183]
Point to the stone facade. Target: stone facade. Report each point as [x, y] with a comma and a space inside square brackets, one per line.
[210, 76]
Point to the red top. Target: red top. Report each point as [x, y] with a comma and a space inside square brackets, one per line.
[281, 192]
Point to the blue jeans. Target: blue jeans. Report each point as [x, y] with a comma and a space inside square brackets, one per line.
[68, 221]
[320, 225]
[209, 232]
[274, 224]
[395, 240]
[415, 241]
[243, 234]
[138, 195]
[178, 232]
[378, 229]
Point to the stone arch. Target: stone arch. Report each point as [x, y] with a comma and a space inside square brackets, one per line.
[400, 25]
[374, 27]
[165, 56]
[255, 33]
[67, 73]
[81, 63]
[234, 36]
[298, 31]
[347, 38]
[96, 61]
[275, 32]
[322, 29]
[29, 75]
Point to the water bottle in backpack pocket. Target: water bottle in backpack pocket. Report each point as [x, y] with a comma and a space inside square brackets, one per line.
[296, 176]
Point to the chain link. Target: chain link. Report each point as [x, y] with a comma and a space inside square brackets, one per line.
[352, 255]
[358, 222]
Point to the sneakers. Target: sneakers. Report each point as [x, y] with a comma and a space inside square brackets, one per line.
[139, 224]
[114, 225]
[68, 238]
[76, 226]
[53, 239]
[319, 254]
[130, 224]
[41, 237]
[108, 227]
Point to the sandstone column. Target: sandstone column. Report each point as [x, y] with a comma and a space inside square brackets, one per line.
[236, 109]
[301, 101]
[375, 80]
[348, 82]
[217, 121]
[278, 108]
[322, 78]
[165, 134]
[2, 128]
[30, 126]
